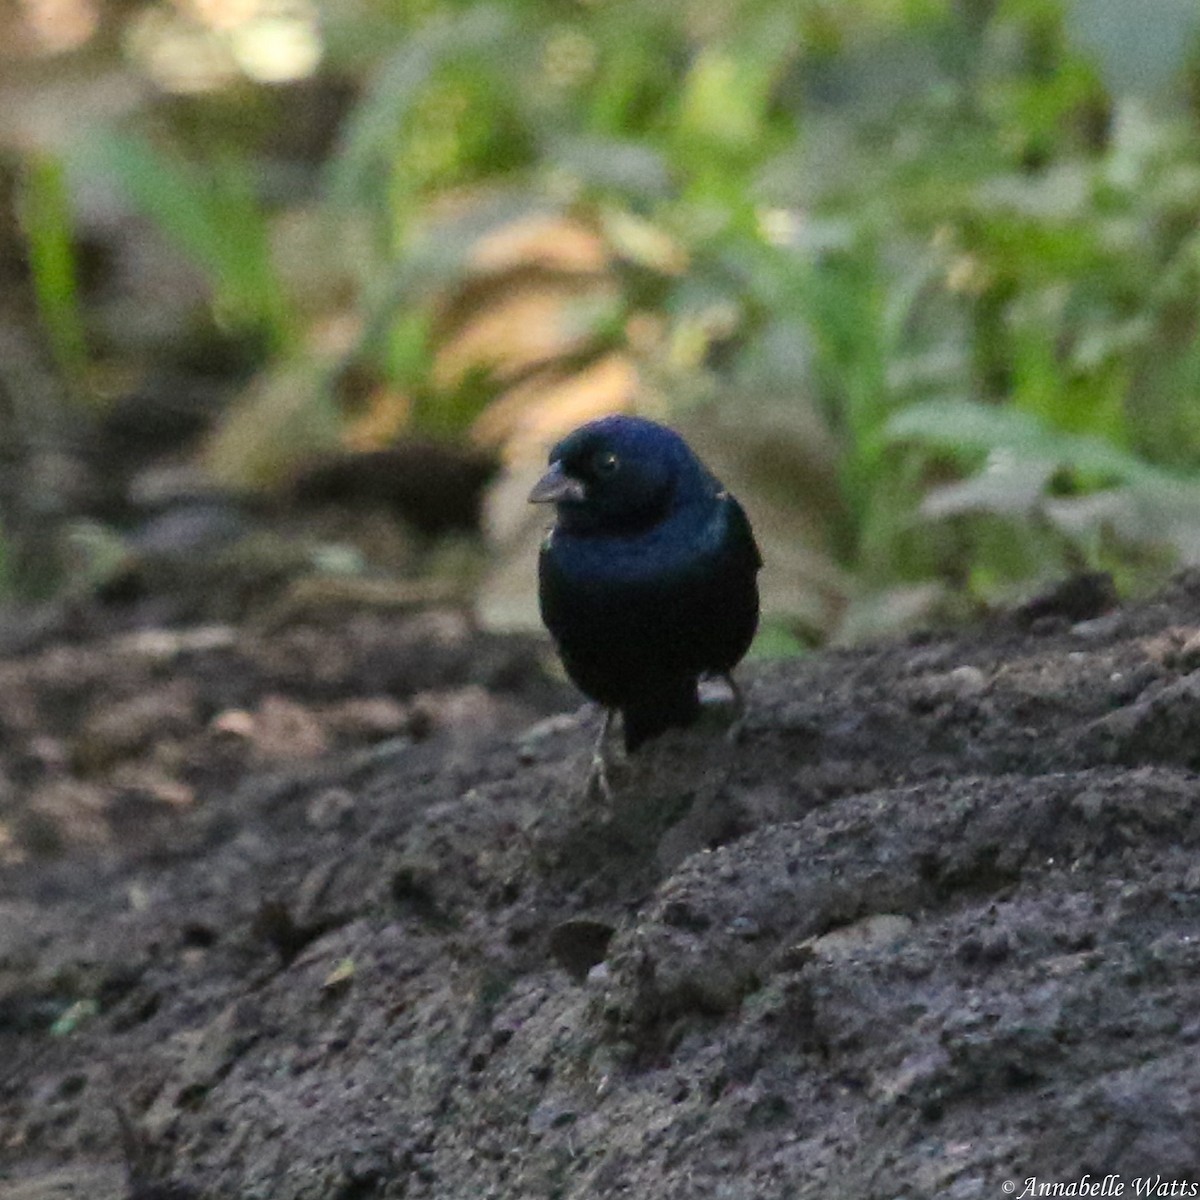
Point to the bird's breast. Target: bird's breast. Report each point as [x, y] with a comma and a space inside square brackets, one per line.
[681, 581]
[673, 549]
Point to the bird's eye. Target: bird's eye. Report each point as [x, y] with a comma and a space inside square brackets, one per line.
[605, 463]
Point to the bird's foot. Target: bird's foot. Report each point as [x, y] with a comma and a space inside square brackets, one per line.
[598, 786]
[606, 776]
[598, 789]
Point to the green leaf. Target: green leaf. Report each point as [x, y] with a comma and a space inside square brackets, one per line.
[211, 213]
[47, 221]
[969, 430]
[73, 1016]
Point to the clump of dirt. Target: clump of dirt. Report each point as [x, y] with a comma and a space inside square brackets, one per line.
[925, 925]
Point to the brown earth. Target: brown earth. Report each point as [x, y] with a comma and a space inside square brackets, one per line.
[325, 913]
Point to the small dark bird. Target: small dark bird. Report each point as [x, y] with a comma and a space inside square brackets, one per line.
[647, 580]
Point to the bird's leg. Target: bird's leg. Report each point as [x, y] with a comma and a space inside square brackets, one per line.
[597, 785]
[738, 722]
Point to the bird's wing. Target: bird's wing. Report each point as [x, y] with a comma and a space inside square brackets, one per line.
[741, 536]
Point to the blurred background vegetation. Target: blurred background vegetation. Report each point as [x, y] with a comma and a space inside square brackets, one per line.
[921, 278]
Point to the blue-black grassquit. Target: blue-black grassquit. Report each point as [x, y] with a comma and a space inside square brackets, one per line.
[647, 580]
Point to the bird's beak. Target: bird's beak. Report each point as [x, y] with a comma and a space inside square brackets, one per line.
[556, 487]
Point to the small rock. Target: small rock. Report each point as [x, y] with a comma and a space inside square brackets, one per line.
[470, 709]
[112, 731]
[869, 934]
[599, 975]
[162, 645]
[286, 730]
[234, 723]
[746, 928]
[329, 808]
[969, 680]
[369, 719]
[532, 742]
[1188, 657]
[1097, 627]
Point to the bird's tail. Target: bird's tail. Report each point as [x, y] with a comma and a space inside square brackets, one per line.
[671, 704]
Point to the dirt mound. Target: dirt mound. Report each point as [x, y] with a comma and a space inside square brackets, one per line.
[928, 926]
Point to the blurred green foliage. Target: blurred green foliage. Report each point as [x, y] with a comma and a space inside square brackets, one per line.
[965, 234]
[212, 213]
[47, 224]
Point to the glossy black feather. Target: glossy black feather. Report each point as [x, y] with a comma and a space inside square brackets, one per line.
[648, 579]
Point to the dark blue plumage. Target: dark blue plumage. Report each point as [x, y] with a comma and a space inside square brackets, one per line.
[648, 579]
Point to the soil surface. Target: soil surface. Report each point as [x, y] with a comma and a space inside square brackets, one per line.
[326, 912]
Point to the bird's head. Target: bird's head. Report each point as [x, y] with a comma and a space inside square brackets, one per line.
[620, 474]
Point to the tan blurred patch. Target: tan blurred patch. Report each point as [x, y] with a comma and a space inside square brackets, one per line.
[537, 412]
[524, 423]
[644, 243]
[67, 812]
[279, 730]
[56, 26]
[283, 417]
[547, 241]
[519, 331]
[512, 325]
[387, 412]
